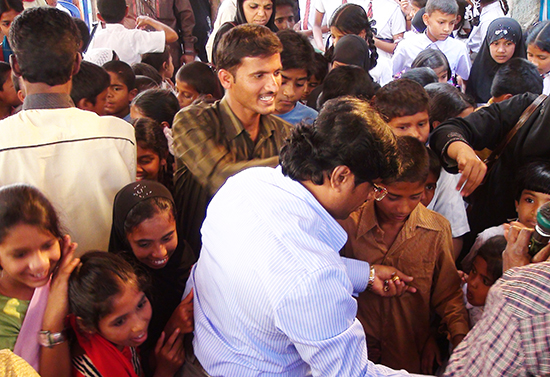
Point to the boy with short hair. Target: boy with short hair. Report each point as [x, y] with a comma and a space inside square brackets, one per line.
[296, 57]
[284, 14]
[440, 18]
[8, 95]
[122, 89]
[90, 87]
[129, 44]
[397, 231]
[516, 76]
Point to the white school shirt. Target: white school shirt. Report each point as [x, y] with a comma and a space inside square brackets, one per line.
[455, 51]
[226, 13]
[389, 21]
[487, 15]
[546, 84]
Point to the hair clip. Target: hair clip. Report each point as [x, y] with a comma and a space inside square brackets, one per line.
[139, 191]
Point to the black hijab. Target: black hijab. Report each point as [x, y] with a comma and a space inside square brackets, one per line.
[485, 67]
[351, 49]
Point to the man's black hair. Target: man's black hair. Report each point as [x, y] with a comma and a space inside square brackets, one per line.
[123, 71]
[112, 11]
[148, 70]
[347, 81]
[516, 76]
[89, 82]
[200, 77]
[7, 5]
[319, 67]
[401, 98]
[297, 50]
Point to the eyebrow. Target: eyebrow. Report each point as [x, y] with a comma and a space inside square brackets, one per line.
[148, 239]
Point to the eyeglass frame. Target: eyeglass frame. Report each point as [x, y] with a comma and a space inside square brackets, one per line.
[380, 192]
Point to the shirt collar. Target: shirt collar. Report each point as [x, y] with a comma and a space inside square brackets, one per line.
[41, 101]
[234, 127]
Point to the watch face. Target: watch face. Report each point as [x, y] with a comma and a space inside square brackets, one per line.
[48, 339]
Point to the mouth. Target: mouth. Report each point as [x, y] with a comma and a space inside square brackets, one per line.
[44, 275]
[267, 99]
[158, 263]
[140, 338]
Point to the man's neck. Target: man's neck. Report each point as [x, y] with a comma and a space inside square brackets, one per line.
[249, 119]
[42, 88]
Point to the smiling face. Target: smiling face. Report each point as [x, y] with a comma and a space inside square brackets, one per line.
[479, 282]
[292, 87]
[528, 205]
[126, 324]
[149, 163]
[502, 50]
[417, 126]
[257, 12]
[539, 58]
[439, 25]
[154, 240]
[28, 257]
[401, 200]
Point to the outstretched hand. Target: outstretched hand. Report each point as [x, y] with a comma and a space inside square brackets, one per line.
[471, 167]
[170, 354]
[389, 281]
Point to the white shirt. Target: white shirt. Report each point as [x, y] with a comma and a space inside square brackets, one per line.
[487, 15]
[409, 48]
[128, 44]
[389, 21]
[272, 296]
[546, 84]
[226, 13]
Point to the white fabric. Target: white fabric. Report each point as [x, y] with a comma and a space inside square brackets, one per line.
[389, 21]
[487, 15]
[77, 159]
[382, 72]
[303, 4]
[128, 44]
[546, 84]
[474, 312]
[226, 13]
[409, 48]
[448, 202]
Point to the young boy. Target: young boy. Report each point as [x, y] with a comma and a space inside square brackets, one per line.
[196, 80]
[122, 89]
[129, 44]
[516, 76]
[440, 18]
[284, 14]
[433, 177]
[296, 57]
[404, 104]
[8, 95]
[397, 231]
[90, 87]
[162, 62]
[318, 70]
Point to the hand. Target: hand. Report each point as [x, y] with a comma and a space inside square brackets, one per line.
[405, 7]
[297, 26]
[143, 21]
[463, 277]
[389, 282]
[170, 355]
[469, 165]
[516, 253]
[430, 353]
[182, 318]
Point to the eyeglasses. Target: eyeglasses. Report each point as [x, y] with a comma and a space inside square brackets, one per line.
[379, 192]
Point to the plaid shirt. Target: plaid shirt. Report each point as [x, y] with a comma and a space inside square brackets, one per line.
[513, 336]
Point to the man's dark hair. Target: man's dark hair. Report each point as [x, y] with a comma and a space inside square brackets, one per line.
[45, 42]
[243, 41]
[347, 132]
[89, 82]
[400, 98]
[319, 67]
[297, 50]
[422, 75]
[413, 159]
[123, 71]
[5, 72]
[156, 59]
[446, 101]
[516, 76]
[347, 81]
[112, 11]
[200, 77]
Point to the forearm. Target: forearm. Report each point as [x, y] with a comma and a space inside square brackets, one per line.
[170, 34]
[388, 47]
[317, 31]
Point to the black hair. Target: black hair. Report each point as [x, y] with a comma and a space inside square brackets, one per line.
[539, 35]
[517, 76]
[144, 82]
[84, 33]
[112, 11]
[533, 176]
[145, 69]
[319, 67]
[150, 135]
[16, 82]
[282, 3]
[243, 41]
[422, 75]
[446, 101]
[201, 77]
[147, 209]
[46, 43]
[123, 71]
[419, 3]
[160, 105]
[5, 72]
[297, 50]
[90, 81]
[413, 159]
[435, 164]
[157, 59]
[346, 132]
[96, 282]
[7, 5]
[491, 253]
[459, 26]
[347, 81]
[444, 6]
[352, 19]
[402, 97]
[432, 58]
[25, 204]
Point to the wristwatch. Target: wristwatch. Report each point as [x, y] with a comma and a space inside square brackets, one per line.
[371, 278]
[51, 339]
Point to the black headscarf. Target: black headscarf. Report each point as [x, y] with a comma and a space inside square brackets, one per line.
[485, 67]
[351, 49]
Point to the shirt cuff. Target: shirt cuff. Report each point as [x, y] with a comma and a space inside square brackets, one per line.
[358, 272]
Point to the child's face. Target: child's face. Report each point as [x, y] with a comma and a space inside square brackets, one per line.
[118, 97]
[439, 25]
[186, 94]
[312, 83]
[539, 58]
[154, 240]
[479, 282]
[100, 102]
[429, 189]
[148, 164]
[441, 73]
[528, 205]
[126, 325]
[401, 200]
[5, 21]
[8, 94]
[502, 50]
[291, 90]
[284, 17]
[417, 126]
[28, 256]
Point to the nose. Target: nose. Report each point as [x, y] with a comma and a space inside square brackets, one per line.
[500, 47]
[160, 251]
[273, 84]
[288, 91]
[40, 262]
[261, 11]
[141, 322]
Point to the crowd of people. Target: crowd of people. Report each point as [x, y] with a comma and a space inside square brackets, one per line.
[274, 187]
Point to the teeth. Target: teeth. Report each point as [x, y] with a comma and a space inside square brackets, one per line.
[266, 98]
[40, 276]
[159, 262]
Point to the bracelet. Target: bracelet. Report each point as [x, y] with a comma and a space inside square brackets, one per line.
[51, 339]
[372, 275]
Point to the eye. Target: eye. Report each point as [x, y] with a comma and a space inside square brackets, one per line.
[430, 187]
[142, 303]
[145, 161]
[486, 282]
[48, 245]
[143, 244]
[168, 237]
[529, 200]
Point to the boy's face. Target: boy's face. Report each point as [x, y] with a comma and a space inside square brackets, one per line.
[5, 21]
[528, 205]
[118, 97]
[186, 94]
[284, 17]
[292, 87]
[8, 94]
[439, 25]
[429, 189]
[479, 282]
[417, 126]
[312, 83]
[401, 200]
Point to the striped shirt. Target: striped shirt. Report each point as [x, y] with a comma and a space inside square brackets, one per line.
[272, 295]
[513, 336]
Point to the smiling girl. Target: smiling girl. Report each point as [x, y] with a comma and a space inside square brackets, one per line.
[538, 51]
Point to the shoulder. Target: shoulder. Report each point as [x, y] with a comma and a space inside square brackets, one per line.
[431, 220]
[200, 115]
[526, 289]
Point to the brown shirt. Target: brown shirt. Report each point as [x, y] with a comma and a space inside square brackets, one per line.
[397, 328]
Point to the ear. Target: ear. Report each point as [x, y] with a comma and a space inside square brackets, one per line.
[425, 18]
[126, 13]
[341, 177]
[83, 327]
[76, 66]
[21, 95]
[516, 203]
[507, 96]
[15, 65]
[458, 18]
[85, 104]
[226, 78]
[132, 94]
[435, 124]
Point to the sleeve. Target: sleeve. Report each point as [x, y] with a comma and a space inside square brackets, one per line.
[358, 272]
[196, 147]
[449, 203]
[399, 58]
[338, 348]
[149, 41]
[447, 297]
[186, 22]
[463, 65]
[397, 22]
[319, 6]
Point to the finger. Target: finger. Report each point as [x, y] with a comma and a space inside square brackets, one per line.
[542, 255]
[524, 237]
[465, 174]
[404, 277]
[172, 340]
[188, 299]
[513, 233]
[160, 343]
